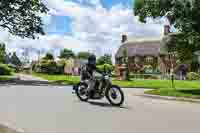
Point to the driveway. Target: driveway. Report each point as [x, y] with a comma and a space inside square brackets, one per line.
[25, 77]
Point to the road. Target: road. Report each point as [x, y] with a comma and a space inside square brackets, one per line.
[54, 109]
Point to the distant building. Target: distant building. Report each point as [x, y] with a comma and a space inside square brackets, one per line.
[73, 66]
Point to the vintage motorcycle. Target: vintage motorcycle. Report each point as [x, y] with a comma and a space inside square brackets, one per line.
[103, 88]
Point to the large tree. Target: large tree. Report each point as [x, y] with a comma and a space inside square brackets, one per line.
[105, 59]
[83, 55]
[15, 60]
[22, 17]
[2, 53]
[66, 53]
[48, 56]
[183, 14]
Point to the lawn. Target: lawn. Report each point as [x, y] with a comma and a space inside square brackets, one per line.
[189, 89]
[5, 78]
[67, 79]
[178, 92]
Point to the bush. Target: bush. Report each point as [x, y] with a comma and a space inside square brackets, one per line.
[48, 66]
[14, 69]
[148, 69]
[60, 68]
[108, 67]
[5, 70]
[193, 76]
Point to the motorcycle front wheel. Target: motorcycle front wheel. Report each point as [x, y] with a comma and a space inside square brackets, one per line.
[115, 95]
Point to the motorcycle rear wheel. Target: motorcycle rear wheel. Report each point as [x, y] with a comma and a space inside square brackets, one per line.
[81, 91]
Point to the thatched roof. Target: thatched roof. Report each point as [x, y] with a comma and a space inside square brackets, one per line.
[140, 47]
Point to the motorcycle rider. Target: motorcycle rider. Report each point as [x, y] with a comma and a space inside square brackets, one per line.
[87, 73]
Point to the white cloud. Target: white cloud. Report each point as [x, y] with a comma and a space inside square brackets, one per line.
[94, 28]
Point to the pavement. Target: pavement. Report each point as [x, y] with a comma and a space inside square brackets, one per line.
[54, 109]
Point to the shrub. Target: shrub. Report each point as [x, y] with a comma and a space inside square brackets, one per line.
[48, 66]
[14, 69]
[60, 68]
[193, 76]
[108, 67]
[148, 69]
[5, 70]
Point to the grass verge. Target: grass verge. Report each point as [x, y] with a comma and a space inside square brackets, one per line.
[188, 89]
[6, 78]
[185, 93]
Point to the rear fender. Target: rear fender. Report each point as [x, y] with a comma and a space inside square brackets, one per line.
[76, 85]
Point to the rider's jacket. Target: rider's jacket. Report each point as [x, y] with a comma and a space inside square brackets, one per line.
[87, 71]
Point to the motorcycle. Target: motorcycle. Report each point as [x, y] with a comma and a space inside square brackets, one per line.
[103, 88]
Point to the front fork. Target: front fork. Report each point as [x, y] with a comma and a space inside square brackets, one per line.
[105, 85]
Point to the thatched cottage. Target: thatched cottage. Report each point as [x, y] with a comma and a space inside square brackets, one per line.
[142, 52]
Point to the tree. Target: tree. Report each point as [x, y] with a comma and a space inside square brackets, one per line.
[183, 14]
[178, 12]
[22, 17]
[66, 53]
[48, 56]
[2, 52]
[15, 60]
[105, 59]
[83, 55]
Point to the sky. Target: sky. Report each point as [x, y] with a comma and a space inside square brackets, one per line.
[84, 25]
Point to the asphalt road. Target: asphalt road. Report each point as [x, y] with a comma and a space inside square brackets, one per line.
[54, 109]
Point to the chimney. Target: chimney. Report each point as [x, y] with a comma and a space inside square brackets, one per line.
[124, 38]
[166, 29]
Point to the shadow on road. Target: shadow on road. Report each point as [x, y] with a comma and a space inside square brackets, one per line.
[102, 104]
[31, 83]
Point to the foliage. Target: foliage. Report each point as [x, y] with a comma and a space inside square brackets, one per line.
[106, 59]
[106, 67]
[178, 12]
[48, 56]
[83, 55]
[15, 60]
[5, 70]
[60, 65]
[148, 69]
[193, 76]
[14, 69]
[2, 52]
[22, 17]
[183, 43]
[48, 66]
[67, 53]
[125, 56]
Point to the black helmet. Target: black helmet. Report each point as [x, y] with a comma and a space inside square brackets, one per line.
[92, 60]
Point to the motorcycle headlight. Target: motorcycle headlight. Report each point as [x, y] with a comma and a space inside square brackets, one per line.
[107, 77]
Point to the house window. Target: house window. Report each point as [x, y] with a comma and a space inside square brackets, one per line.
[149, 59]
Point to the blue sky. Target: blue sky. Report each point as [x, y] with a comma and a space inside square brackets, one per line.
[85, 25]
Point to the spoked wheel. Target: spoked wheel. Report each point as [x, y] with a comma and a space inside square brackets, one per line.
[115, 95]
[81, 91]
